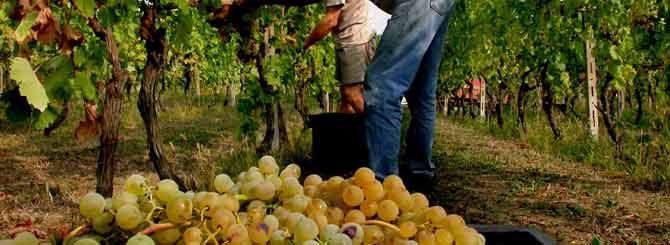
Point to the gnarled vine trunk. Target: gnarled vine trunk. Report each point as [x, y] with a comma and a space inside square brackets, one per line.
[111, 113]
[548, 101]
[157, 49]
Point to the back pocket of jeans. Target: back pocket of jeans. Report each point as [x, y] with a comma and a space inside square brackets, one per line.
[442, 7]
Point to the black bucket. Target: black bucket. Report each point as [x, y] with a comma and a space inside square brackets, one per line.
[508, 235]
[338, 143]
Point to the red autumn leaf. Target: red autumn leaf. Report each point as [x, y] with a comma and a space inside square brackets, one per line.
[46, 27]
[26, 226]
[89, 127]
[69, 39]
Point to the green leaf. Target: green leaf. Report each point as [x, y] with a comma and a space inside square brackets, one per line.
[184, 28]
[57, 72]
[87, 87]
[86, 7]
[129, 4]
[29, 86]
[46, 118]
[23, 31]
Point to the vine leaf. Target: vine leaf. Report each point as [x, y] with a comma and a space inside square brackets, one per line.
[88, 90]
[86, 7]
[46, 118]
[23, 31]
[29, 86]
[89, 127]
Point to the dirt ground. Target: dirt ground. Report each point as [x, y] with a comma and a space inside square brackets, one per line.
[487, 180]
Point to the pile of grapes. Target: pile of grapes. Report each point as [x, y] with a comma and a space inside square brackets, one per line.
[266, 206]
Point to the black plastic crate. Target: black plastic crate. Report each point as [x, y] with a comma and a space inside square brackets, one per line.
[511, 235]
[338, 143]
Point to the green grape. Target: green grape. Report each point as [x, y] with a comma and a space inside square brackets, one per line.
[312, 179]
[305, 230]
[292, 170]
[128, 217]
[122, 199]
[374, 191]
[197, 198]
[179, 210]
[387, 210]
[189, 195]
[328, 232]
[230, 203]
[374, 235]
[352, 195]
[135, 184]
[210, 203]
[311, 242]
[26, 238]
[264, 190]
[340, 239]
[279, 238]
[297, 203]
[223, 183]
[407, 229]
[140, 239]
[192, 236]
[292, 221]
[268, 166]
[246, 187]
[86, 241]
[166, 190]
[253, 176]
[354, 231]
[275, 180]
[167, 236]
[290, 188]
[91, 205]
[222, 219]
[364, 176]
[282, 214]
[256, 204]
[427, 237]
[260, 232]
[104, 223]
[237, 235]
[443, 236]
[271, 221]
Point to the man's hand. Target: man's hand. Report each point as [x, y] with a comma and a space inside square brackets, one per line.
[327, 24]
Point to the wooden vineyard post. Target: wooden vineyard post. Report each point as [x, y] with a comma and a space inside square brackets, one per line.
[593, 99]
[445, 108]
[2, 78]
[482, 99]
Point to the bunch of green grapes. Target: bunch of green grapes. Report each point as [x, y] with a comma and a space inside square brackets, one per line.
[269, 205]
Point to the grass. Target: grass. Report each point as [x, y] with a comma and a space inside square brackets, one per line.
[487, 178]
[645, 156]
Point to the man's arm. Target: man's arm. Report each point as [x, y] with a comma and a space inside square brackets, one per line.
[327, 24]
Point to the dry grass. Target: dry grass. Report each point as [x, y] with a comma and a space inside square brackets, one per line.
[502, 182]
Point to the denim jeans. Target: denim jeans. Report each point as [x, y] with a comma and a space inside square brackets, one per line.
[406, 64]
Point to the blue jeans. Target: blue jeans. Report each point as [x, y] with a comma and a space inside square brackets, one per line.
[406, 64]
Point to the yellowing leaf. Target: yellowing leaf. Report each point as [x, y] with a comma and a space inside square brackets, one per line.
[29, 86]
[23, 31]
[86, 7]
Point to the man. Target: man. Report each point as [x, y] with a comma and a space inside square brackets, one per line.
[354, 47]
[406, 64]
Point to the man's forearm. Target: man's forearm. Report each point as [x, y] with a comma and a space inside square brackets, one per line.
[319, 33]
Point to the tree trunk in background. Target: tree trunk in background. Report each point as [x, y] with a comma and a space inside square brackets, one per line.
[606, 111]
[197, 86]
[111, 113]
[445, 108]
[301, 100]
[326, 102]
[592, 79]
[276, 134]
[156, 49]
[2, 78]
[548, 102]
[188, 79]
[521, 105]
[482, 99]
[640, 103]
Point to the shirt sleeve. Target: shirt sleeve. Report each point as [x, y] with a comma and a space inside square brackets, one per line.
[330, 3]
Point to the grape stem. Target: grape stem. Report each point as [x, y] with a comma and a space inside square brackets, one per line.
[241, 197]
[157, 227]
[74, 233]
[382, 223]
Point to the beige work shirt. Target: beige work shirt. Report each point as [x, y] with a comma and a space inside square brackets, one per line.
[354, 27]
